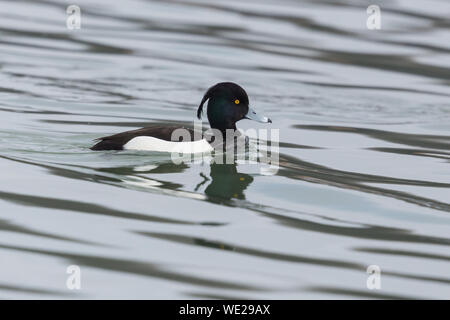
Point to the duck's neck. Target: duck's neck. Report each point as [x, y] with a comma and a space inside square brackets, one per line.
[223, 130]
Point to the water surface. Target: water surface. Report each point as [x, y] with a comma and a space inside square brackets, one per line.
[364, 178]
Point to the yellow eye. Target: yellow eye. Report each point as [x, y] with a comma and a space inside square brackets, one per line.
[236, 101]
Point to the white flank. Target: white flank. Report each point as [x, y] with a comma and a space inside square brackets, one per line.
[153, 144]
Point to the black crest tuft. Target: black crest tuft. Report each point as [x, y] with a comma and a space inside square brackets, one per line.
[200, 107]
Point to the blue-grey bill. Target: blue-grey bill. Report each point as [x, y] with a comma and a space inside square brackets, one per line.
[252, 115]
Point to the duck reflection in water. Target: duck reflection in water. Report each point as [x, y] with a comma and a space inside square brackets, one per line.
[226, 183]
[223, 184]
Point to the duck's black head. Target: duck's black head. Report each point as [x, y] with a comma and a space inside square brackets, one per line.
[228, 103]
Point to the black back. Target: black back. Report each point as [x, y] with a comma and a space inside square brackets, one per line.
[117, 141]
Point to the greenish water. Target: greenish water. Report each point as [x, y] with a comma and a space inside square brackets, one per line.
[364, 119]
